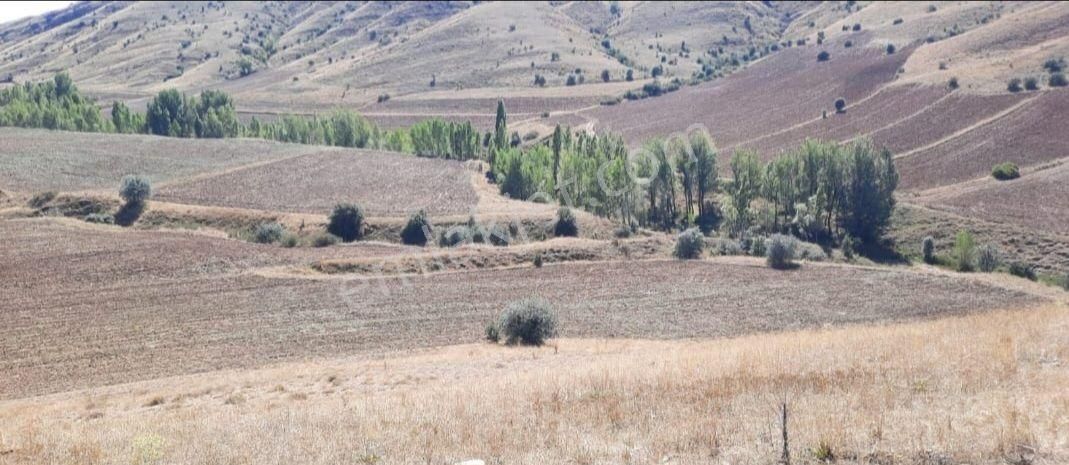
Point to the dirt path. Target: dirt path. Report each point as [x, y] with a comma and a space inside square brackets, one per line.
[965, 130]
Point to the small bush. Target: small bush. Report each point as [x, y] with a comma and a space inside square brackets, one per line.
[823, 56]
[1054, 65]
[1023, 270]
[953, 83]
[965, 252]
[455, 236]
[689, 244]
[621, 232]
[566, 225]
[1031, 83]
[849, 247]
[41, 199]
[101, 218]
[758, 246]
[289, 240]
[725, 246]
[1057, 80]
[987, 258]
[492, 333]
[418, 230]
[840, 105]
[346, 222]
[1014, 85]
[928, 250]
[267, 233]
[135, 189]
[499, 235]
[780, 251]
[1005, 171]
[890, 49]
[325, 240]
[528, 322]
[538, 260]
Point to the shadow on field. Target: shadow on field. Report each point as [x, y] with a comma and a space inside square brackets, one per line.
[129, 213]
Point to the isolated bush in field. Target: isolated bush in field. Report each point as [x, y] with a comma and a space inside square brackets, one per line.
[1005, 171]
[849, 247]
[289, 240]
[492, 333]
[823, 56]
[689, 244]
[41, 199]
[780, 251]
[1014, 85]
[538, 260]
[953, 83]
[101, 218]
[928, 250]
[528, 322]
[758, 246]
[987, 258]
[1031, 83]
[890, 49]
[268, 233]
[325, 240]
[840, 105]
[1057, 80]
[566, 225]
[418, 230]
[965, 251]
[1023, 270]
[346, 222]
[135, 189]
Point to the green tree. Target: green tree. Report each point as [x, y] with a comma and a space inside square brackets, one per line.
[870, 200]
[744, 187]
[501, 140]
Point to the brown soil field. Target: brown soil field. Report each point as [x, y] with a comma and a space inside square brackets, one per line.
[1039, 199]
[316, 182]
[34, 160]
[1025, 136]
[782, 90]
[139, 305]
[942, 118]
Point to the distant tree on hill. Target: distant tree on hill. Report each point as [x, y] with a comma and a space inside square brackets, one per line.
[605, 76]
[630, 76]
[823, 55]
[501, 127]
[840, 105]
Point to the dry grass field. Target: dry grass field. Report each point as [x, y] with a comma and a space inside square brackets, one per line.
[979, 389]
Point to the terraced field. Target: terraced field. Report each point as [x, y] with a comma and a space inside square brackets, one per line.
[382, 183]
[141, 305]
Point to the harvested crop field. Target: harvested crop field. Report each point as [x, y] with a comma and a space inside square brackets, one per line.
[167, 304]
[33, 160]
[385, 184]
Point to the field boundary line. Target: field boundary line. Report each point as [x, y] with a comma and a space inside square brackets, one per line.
[234, 169]
[967, 129]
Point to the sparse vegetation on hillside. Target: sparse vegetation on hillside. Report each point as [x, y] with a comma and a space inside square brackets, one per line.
[418, 230]
[529, 322]
[1005, 171]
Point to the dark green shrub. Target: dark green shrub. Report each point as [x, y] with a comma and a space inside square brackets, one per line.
[418, 230]
[499, 235]
[1054, 65]
[566, 225]
[823, 55]
[987, 258]
[1005, 171]
[135, 189]
[538, 260]
[289, 240]
[1023, 270]
[953, 83]
[1014, 85]
[780, 251]
[849, 247]
[758, 246]
[928, 250]
[689, 244]
[840, 105]
[455, 236]
[890, 49]
[528, 322]
[621, 232]
[325, 240]
[1031, 83]
[964, 252]
[267, 233]
[1057, 80]
[346, 222]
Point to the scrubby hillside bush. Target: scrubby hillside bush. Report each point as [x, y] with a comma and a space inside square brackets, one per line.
[454, 236]
[1006, 171]
[566, 225]
[928, 250]
[780, 251]
[987, 258]
[418, 230]
[1023, 270]
[135, 189]
[1057, 80]
[528, 322]
[346, 222]
[324, 240]
[964, 252]
[268, 233]
[689, 244]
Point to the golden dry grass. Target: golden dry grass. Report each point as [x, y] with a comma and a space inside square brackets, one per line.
[986, 388]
